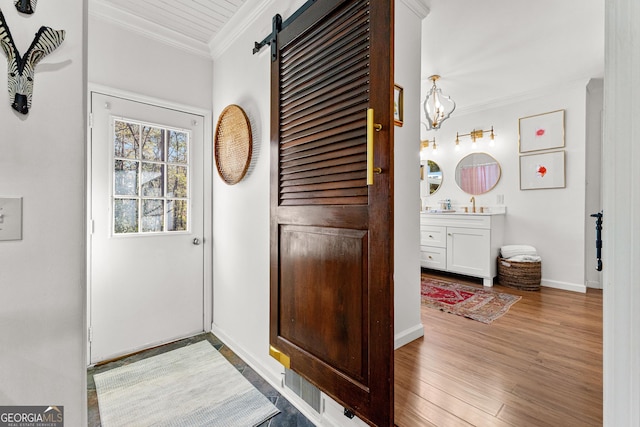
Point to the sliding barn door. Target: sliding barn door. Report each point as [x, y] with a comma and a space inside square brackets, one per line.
[331, 232]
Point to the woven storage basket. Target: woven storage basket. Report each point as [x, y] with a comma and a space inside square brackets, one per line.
[519, 275]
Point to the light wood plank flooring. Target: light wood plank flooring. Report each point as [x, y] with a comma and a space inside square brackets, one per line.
[538, 365]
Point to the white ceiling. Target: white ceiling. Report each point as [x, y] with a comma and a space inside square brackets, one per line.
[200, 20]
[494, 50]
[485, 50]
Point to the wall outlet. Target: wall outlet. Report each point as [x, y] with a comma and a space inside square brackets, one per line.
[10, 218]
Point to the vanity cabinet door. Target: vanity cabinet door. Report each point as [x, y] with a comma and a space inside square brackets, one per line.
[467, 251]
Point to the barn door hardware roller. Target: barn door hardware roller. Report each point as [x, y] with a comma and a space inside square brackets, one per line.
[277, 25]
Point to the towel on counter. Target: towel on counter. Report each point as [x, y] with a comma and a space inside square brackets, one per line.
[525, 258]
[514, 250]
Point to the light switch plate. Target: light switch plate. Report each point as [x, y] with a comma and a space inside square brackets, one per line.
[10, 218]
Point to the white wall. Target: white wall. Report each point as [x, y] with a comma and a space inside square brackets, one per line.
[241, 211]
[128, 61]
[593, 179]
[42, 332]
[407, 324]
[552, 220]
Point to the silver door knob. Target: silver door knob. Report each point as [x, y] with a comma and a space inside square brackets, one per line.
[196, 241]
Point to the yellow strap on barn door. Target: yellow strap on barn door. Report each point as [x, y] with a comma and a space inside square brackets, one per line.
[280, 357]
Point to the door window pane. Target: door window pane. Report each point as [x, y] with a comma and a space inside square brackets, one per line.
[152, 215]
[125, 215]
[178, 147]
[177, 182]
[125, 178]
[152, 143]
[126, 139]
[176, 215]
[150, 178]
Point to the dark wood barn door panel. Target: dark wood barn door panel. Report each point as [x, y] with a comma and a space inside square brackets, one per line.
[331, 233]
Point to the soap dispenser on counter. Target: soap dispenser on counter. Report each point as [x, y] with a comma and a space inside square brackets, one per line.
[445, 205]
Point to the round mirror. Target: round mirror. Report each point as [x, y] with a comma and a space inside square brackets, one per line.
[477, 173]
[433, 176]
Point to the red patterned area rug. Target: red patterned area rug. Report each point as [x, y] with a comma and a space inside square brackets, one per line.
[468, 301]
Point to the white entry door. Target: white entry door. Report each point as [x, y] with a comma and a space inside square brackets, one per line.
[146, 226]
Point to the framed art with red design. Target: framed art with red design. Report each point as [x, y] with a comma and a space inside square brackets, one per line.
[541, 132]
[542, 171]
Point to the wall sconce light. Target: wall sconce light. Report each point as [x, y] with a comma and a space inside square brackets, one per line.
[437, 107]
[424, 145]
[475, 135]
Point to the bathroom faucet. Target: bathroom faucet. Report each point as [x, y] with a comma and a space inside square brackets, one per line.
[473, 200]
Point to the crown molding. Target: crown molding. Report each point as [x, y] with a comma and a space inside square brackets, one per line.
[244, 18]
[419, 7]
[522, 96]
[251, 10]
[106, 12]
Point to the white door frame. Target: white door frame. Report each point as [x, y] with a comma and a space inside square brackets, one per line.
[621, 205]
[207, 193]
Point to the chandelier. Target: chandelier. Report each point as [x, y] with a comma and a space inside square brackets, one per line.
[437, 107]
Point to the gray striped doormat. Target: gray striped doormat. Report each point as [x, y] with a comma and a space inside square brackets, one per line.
[191, 386]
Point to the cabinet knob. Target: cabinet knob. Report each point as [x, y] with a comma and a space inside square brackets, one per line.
[448, 234]
[430, 257]
[430, 236]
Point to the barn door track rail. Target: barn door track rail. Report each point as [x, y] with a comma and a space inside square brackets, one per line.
[277, 25]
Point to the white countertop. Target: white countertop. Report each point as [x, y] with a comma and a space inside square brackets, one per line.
[493, 211]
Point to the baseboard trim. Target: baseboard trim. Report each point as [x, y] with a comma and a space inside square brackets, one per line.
[408, 335]
[272, 377]
[594, 284]
[575, 287]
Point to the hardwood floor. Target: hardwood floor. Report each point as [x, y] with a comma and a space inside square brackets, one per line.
[538, 365]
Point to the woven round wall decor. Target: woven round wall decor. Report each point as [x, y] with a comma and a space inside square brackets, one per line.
[232, 144]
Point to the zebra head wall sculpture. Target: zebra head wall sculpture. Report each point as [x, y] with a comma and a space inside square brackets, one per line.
[26, 6]
[21, 68]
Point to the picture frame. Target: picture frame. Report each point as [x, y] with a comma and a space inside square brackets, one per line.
[541, 131]
[542, 171]
[398, 105]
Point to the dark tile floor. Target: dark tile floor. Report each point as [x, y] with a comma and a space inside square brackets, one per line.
[289, 416]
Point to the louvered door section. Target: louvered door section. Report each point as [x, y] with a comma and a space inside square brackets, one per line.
[331, 301]
[324, 84]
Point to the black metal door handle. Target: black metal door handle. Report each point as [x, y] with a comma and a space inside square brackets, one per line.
[598, 217]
